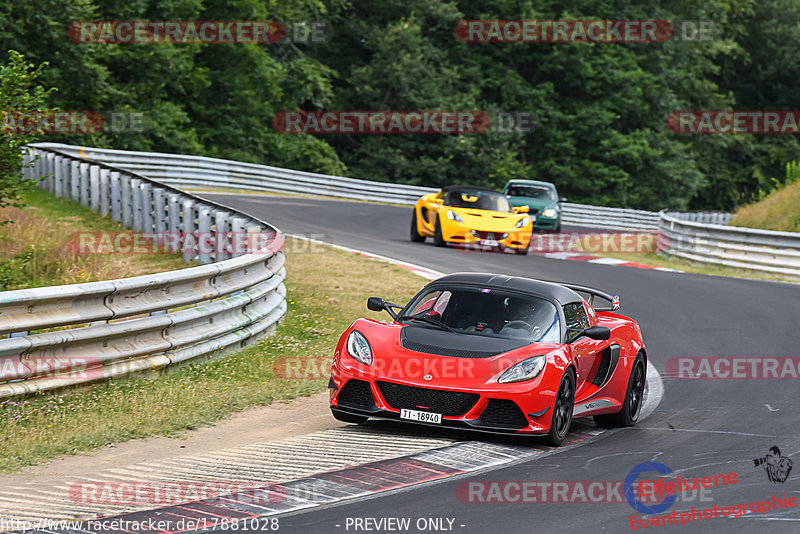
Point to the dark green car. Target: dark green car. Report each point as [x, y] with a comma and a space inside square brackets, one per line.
[542, 201]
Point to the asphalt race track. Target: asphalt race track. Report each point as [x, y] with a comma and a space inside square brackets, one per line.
[702, 427]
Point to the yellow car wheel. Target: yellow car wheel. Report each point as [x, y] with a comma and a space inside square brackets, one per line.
[415, 237]
[438, 240]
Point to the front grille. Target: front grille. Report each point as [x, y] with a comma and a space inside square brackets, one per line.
[450, 403]
[356, 393]
[503, 413]
[533, 211]
[488, 235]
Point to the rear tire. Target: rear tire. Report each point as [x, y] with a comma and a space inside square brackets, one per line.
[562, 410]
[349, 418]
[438, 240]
[415, 237]
[632, 405]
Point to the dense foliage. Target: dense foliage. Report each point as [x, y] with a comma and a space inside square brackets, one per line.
[600, 109]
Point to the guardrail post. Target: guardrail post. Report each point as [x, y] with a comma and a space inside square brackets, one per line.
[222, 239]
[239, 236]
[189, 235]
[126, 200]
[160, 211]
[83, 185]
[146, 191]
[253, 237]
[136, 194]
[205, 241]
[58, 176]
[115, 192]
[46, 169]
[104, 191]
[174, 222]
[75, 180]
[94, 187]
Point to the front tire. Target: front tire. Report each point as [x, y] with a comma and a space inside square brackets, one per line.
[349, 418]
[415, 237]
[562, 410]
[438, 240]
[632, 405]
[522, 251]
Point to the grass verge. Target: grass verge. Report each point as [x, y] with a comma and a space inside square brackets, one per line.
[34, 251]
[327, 290]
[779, 211]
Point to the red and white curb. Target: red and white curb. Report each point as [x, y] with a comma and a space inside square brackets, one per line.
[360, 482]
[577, 256]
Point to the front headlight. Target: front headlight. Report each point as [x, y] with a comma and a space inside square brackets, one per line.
[522, 223]
[453, 216]
[358, 347]
[524, 370]
[549, 213]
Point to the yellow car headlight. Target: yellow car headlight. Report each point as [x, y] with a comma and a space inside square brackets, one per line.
[523, 222]
[453, 216]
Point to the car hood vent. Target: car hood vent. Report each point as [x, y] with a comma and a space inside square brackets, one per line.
[441, 343]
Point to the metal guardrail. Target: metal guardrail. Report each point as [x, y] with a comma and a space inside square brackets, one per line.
[744, 248]
[697, 236]
[201, 172]
[145, 323]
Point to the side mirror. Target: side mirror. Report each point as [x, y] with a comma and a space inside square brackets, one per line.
[376, 304]
[599, 333]
[563, 199]
[522, 209]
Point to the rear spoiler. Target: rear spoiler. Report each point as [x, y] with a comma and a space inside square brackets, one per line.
[613, 299]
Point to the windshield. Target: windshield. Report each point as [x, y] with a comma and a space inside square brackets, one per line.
[532, 191]
[481, 200]
[487, 312]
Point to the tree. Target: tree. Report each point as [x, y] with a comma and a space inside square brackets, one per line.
[19, 91]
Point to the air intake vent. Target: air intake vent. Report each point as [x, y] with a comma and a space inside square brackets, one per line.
[356, 393]
[450, 403]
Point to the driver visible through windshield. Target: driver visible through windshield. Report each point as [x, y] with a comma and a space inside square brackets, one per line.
[485, 312]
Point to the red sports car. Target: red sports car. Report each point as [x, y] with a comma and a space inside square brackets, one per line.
[492, 353]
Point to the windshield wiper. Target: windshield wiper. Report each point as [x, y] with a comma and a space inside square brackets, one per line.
[428, 319]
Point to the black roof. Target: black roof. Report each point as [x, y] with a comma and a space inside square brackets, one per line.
[548, 290]
[468, 188]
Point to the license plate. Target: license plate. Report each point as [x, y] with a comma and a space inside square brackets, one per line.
[422, 417]
[489, 242]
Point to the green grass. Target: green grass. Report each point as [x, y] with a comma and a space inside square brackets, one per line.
[779, 211]
[327, 290]
[34, 251]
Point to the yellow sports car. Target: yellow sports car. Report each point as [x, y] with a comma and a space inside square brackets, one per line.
[471, 215]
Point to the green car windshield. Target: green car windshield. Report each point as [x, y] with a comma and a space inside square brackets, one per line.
[532, 191]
